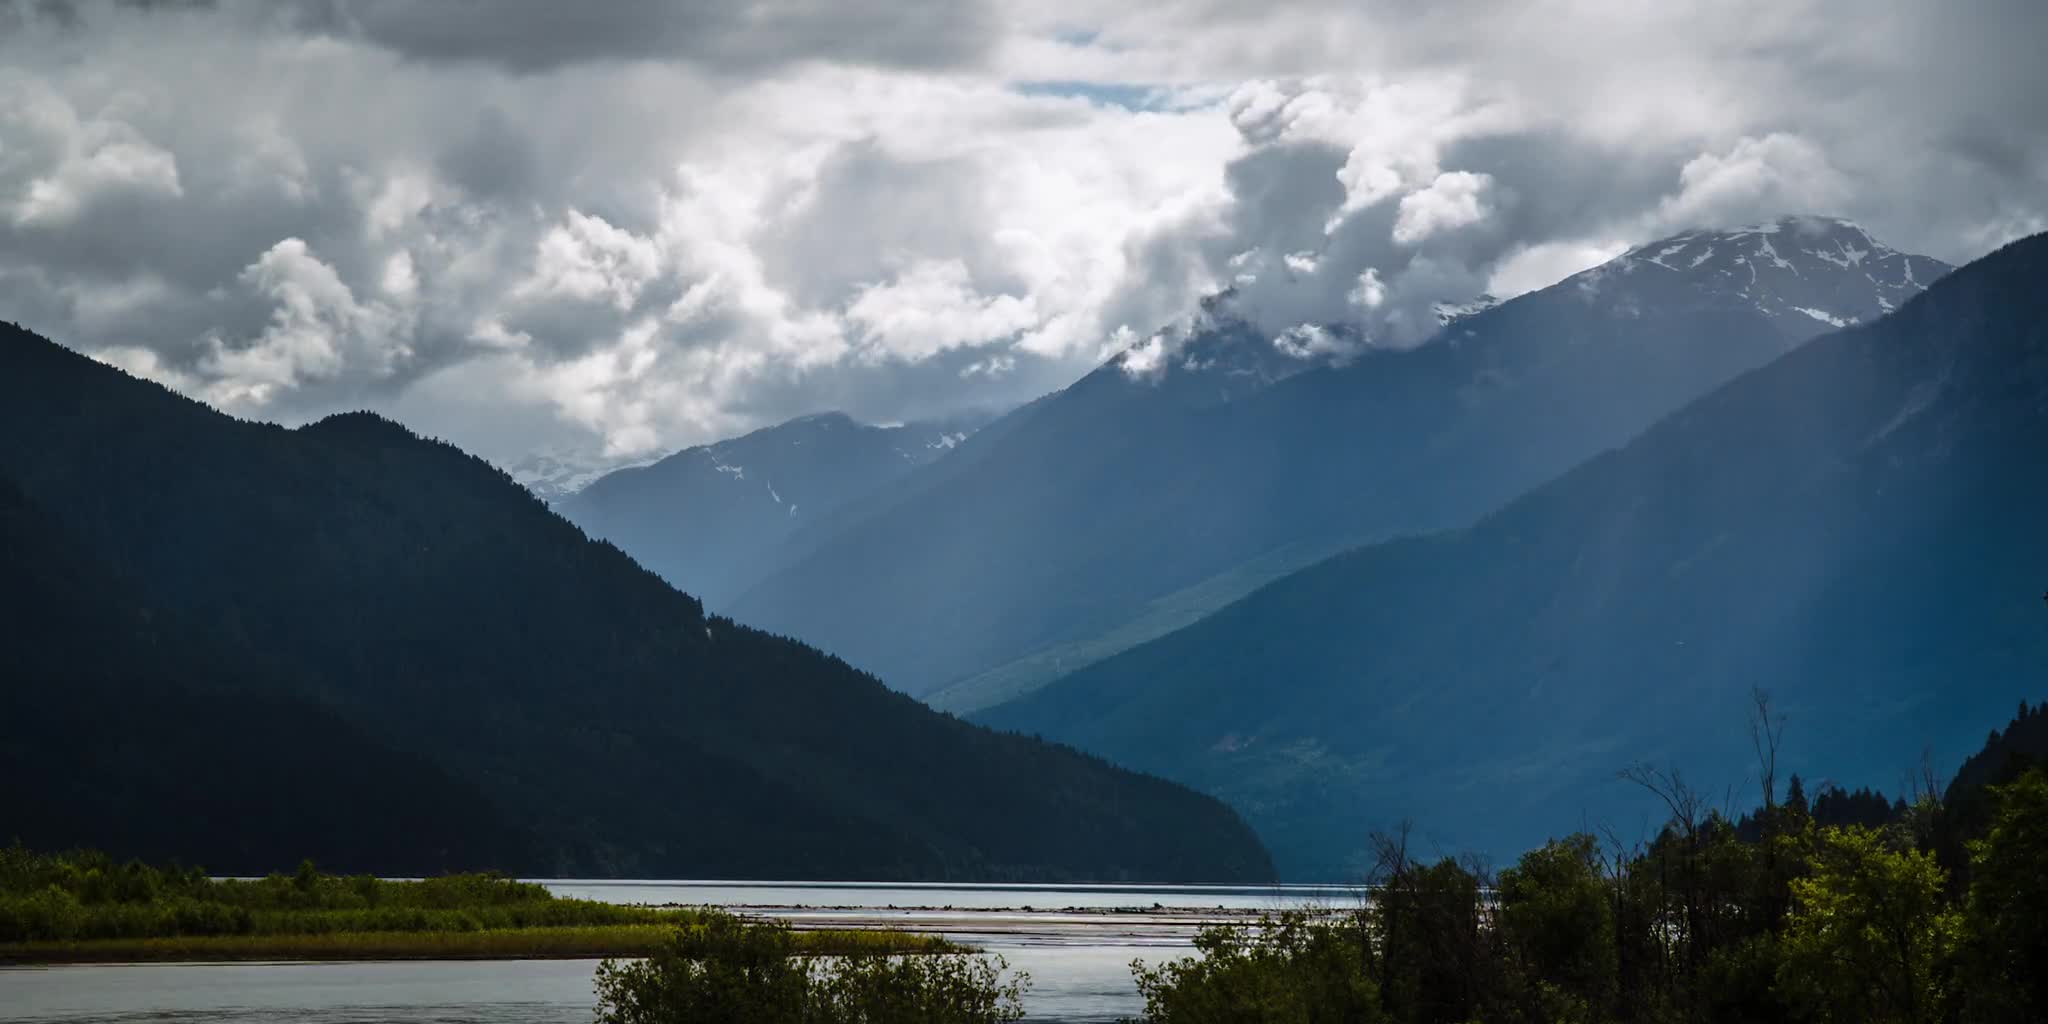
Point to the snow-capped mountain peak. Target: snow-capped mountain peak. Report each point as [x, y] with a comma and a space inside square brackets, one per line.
[1822, 269]
[1806, 274]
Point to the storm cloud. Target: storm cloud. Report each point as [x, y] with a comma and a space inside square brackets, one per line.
[630, 227]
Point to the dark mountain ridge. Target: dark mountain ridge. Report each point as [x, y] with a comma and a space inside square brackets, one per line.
[439, 609]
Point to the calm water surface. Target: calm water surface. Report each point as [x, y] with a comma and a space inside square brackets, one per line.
[1076, 942]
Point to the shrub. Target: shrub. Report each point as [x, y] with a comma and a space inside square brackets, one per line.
[723, 969]
[1290, 969]
[923, 989]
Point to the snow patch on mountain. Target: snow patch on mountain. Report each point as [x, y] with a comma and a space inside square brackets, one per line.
[1448, 313]
[1823, 268]
[1824, 316]
[1794, 270]
[553, 474]
[1669, 250]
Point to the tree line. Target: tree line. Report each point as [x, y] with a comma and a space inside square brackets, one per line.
[1847, 908]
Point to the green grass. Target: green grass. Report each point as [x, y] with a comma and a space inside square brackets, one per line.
[538, 943]
[84, 907]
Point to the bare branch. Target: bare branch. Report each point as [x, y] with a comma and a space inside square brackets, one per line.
[1766, 730]
[1391, 861]
[1925, 784]
[1686, 805]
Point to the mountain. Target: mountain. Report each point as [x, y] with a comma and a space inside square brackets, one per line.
[554, 474]
[710, 518]
[432, 606]
[104, 692]
[1856, 528]
[1190, 470]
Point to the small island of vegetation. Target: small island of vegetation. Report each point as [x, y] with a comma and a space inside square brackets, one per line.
[85, 907]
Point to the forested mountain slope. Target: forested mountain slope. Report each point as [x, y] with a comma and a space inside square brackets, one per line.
[434, 605]
[123, 726]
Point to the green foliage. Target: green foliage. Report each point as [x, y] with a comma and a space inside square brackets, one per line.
[1431, 951]
[1558, 923]
[1870, 932]
[1290, 969]
[943, 989]
[1430, 948]
[1775, 920]
[2006, 934]
[724, 969]
[86, 896]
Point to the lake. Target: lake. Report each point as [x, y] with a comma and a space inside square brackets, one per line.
[1076, 941]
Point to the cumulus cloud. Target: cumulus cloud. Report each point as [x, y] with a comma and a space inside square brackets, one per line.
[1341, 211]
[1778, 171]
[931, 307]
[586, 258]
[318, 330]
[58, 161]
[639, 225]
[1454, 200]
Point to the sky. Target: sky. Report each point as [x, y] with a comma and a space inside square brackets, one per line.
[628, 227]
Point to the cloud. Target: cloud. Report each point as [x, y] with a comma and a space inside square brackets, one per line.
[640, 225]
[531, 36]
[586, 258]
[1454, 200]
[1779, 171]
[1529, 267]
[1340, 211]
[318, 331]
[931, 307]
[1315, 342]
[58, 162]
[1370, 292]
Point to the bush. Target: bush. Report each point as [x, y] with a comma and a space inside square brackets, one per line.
[1289, 969]
[924, 989]
[727, 970]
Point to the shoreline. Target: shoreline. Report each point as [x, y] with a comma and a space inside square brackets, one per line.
[550, 943]
[819, 929]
